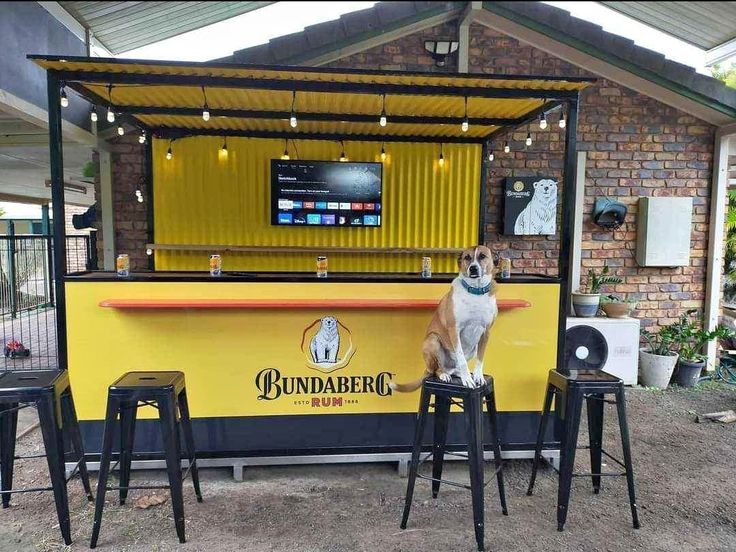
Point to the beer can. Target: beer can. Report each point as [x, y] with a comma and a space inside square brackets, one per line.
[215, 265]
[505, 267]
[321, 267]
[426, 267]
[122, 265]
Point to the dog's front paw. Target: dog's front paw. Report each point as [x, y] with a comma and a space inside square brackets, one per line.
[467, 380]
[478, 377]
[444, 377]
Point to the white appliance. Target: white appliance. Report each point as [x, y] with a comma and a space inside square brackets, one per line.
[622, 339]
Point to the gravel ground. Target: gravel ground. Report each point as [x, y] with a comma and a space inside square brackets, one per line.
[684, 476]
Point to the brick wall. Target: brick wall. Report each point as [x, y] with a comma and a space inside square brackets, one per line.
[636, 147]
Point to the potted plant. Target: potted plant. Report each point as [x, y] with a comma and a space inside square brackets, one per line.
[690, 339]
[586, 301]
[657, 360]
[615, 307]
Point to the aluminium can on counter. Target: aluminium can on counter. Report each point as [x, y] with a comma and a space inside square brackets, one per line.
[426, 267]
[321, 267]
[215, 265]
[122, 265]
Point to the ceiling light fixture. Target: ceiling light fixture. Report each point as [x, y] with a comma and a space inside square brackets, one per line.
[292, 118]
[542, 121]
[528, 138]
[465, 124]
[506, 147]
[285, 156]
[64, 100]
[343, 157]
[205, 107]
[169, 153]
[441, 160]
[383, 121]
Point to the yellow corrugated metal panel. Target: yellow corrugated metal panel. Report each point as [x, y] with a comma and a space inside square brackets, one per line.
[202, 198]
[307, 74]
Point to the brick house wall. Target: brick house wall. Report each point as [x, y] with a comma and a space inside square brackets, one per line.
[636, 146]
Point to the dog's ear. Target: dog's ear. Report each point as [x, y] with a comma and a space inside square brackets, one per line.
[536, 185]
[460, 259]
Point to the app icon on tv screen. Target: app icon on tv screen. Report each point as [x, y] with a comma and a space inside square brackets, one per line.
[328, 219]
[356, 221]
[366, 206]
[320, 205]
[314, 219]
[296, 204]
[344, 206]
[309, 204]
[285, 204]
[357, 206]
[333, 205]
[285, 218]
[370, 220]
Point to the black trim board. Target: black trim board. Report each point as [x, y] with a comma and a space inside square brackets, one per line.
[321, 434]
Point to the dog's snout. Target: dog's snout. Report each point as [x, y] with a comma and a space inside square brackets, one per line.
[474, 270]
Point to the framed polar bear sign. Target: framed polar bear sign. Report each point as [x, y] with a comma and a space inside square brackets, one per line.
[530, 206]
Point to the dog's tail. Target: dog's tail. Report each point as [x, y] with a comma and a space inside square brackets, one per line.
[407, 387]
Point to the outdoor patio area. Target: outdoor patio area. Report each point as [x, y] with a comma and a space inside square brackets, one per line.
[686, 494]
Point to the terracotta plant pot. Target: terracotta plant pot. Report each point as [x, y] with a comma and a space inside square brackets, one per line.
[586, 305]
[656, 370]
[617, 310]
[688, 373]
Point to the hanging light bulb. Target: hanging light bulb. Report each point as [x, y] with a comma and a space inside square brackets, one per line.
[542, 121]
[441, 160]
[491, 157]
[224, 146]
[292, 119]
[343, 157]
[506, 147]
[383, 152]
[149, 251]
[110, 115]
[563, 122]
[63, 100]
[528, 138]
[169, 153]
[142, 137]
[465, 124]
[93, 115]
[285, 156]
[205, 108]
[383, 121]
[121, 130]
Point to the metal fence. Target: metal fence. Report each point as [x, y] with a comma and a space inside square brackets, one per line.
[27, 296]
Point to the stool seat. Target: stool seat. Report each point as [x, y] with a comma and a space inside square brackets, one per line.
[148, 381]
[165, 391]
[470, 399]
[571, 390]
[50, 393]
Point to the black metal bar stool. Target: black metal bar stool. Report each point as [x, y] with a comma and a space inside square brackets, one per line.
[50, 393]
[471, 401]
[570, 390]
[167, 392]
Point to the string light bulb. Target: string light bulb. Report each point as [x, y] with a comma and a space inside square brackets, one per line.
[93, 115]
[528, 138]
[110, 115]
[292, 118]
[441, 160]
[223, 149]
[63, 99]
[142, 137]
[285, 156]
[491, 157]
[383, 121]
[383, 152]
[343, 157]
[121, 130]
[542, 121]
[169, 153]
[465, 124]
[205, 108]
[563, 122]
[506, 148]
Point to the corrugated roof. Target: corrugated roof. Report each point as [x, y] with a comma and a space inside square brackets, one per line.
[703, 24]
[258, 99]
[124, 26]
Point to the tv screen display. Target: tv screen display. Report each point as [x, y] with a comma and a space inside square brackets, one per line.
[325, 193]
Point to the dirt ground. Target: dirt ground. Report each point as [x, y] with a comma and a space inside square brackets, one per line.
[684, 477]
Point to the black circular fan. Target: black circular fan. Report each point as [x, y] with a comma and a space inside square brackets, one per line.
[585, 348]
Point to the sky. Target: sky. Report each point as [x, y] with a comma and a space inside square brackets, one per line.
[250, 29]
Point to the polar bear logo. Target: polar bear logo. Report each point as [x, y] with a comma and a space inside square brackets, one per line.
[326, 342]
[540, 215]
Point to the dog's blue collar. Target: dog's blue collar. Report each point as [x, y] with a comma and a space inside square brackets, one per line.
[476, 290]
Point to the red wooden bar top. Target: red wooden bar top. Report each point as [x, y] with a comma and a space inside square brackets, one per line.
[503, 304]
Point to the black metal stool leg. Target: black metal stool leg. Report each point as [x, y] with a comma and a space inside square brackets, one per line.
[415, 453]
[573, 407]
[105, 456]
[540, 437]
[71, 425]
[496, 444]
[624, 426]
[8, 427]
[54, 444]
[186, 425]
[474, 429]
[172, 450]
[441, 418]
[128, 415]
[595, 437]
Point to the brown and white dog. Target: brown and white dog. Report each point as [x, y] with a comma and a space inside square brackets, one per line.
[461, 325]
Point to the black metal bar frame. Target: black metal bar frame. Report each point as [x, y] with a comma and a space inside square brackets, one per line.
[148, 167]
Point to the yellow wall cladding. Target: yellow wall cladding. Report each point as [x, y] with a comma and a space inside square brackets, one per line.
[204, 198]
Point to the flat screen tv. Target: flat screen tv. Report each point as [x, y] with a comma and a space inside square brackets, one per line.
[325, 193]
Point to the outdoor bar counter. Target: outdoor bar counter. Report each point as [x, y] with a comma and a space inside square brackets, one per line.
[243, 342]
